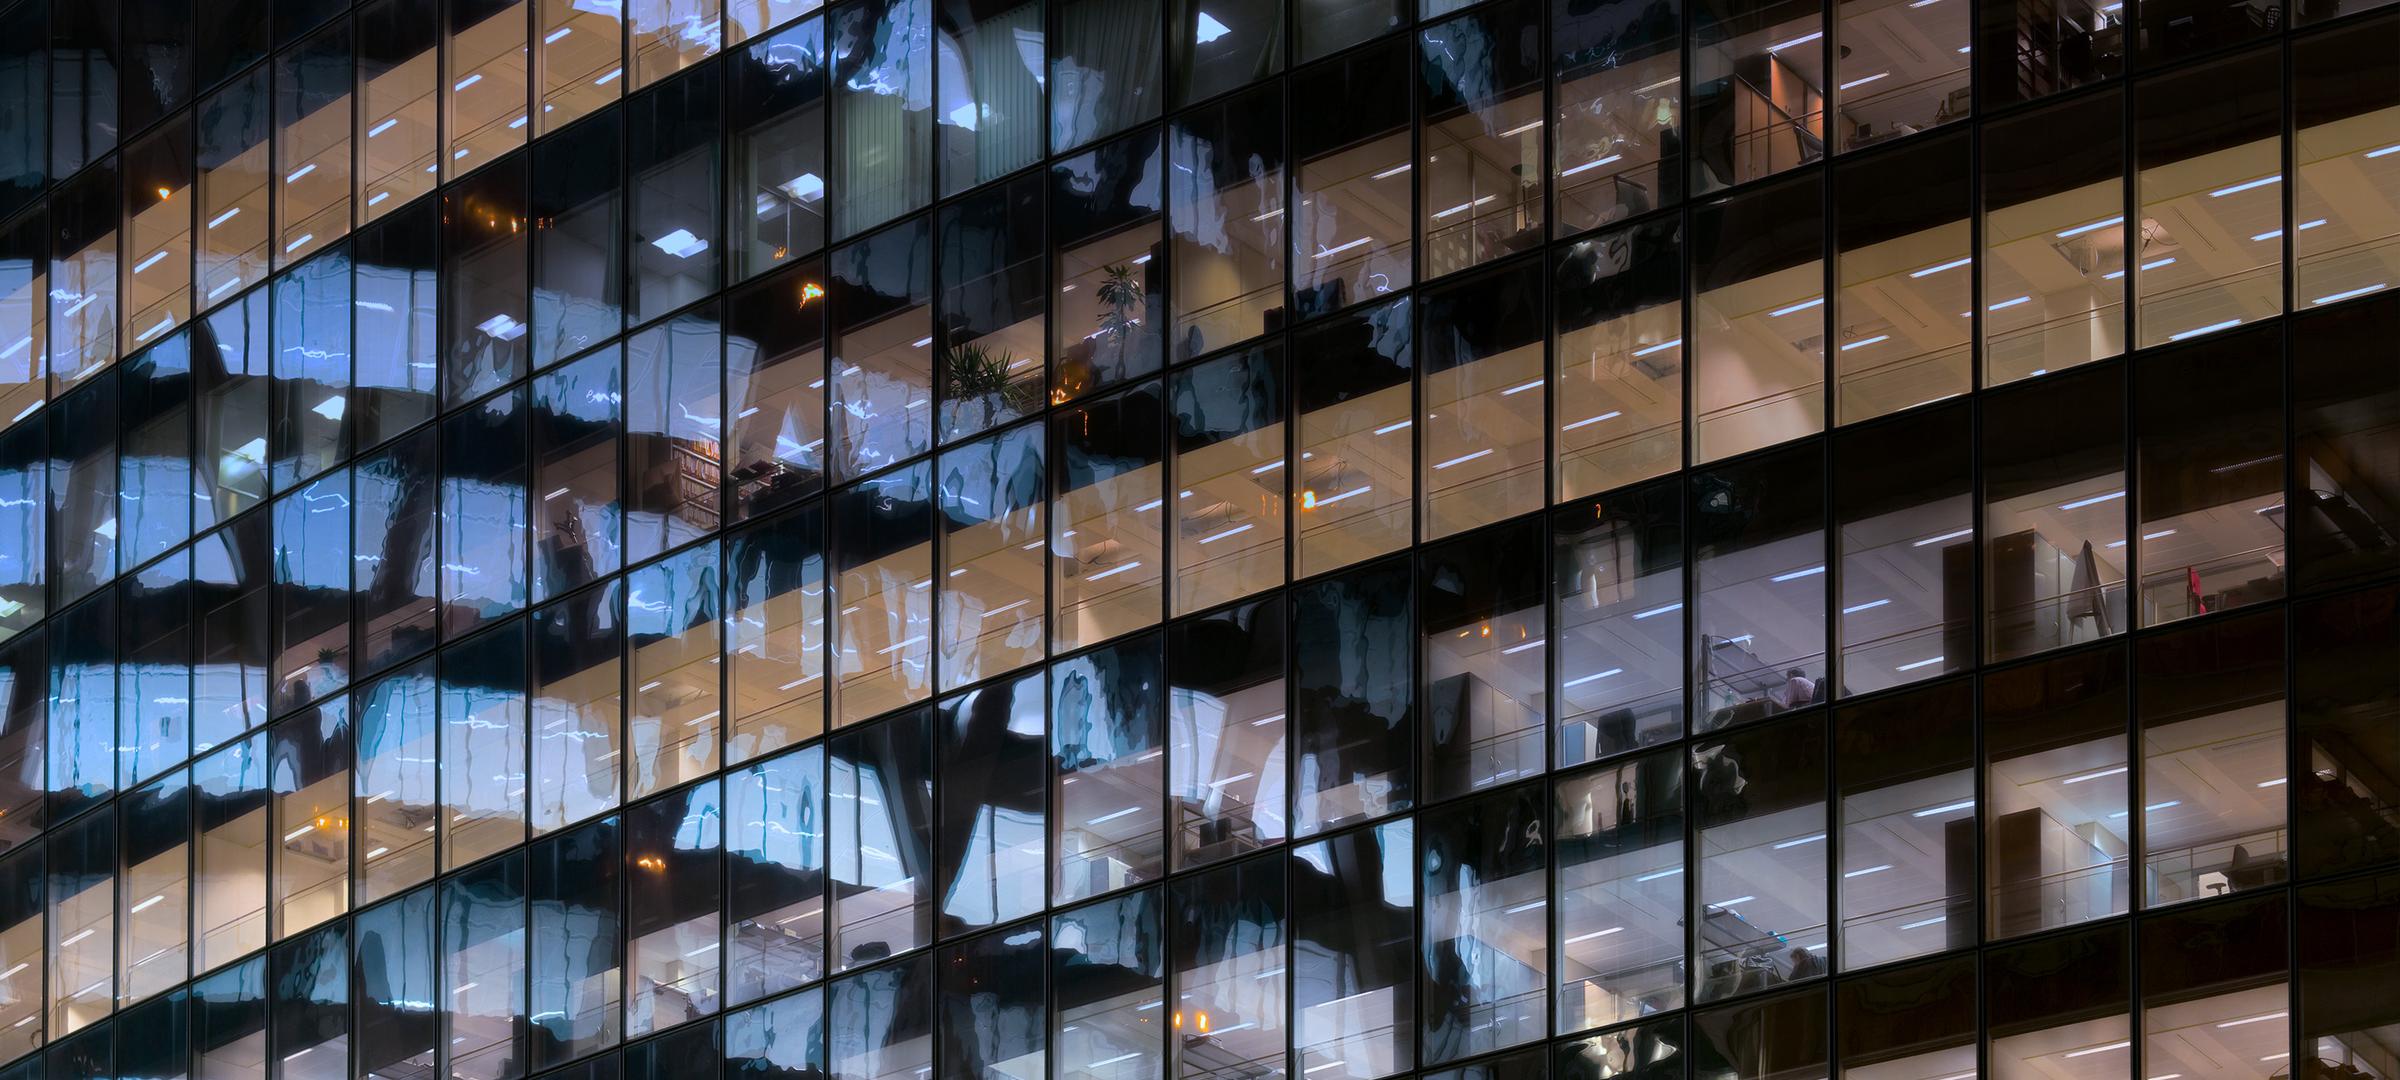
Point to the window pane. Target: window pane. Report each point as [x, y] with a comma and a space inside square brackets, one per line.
[1905, 767]
[880, 782]
[578, 708]
[581, 56]
[2054, 490]
[309, 772]
[21, 882]
[784, 1037]
[2212, 709]
[2339, 1020]
[398, 74]
[1620, 95]
[674, 433]
[1108, 968]
[674, 850]
[155, 904]
[1899, 72]
[777, 147]
[990, 93]
[775, 603]
[993, 1017]
[2030, 50]
[2340, 394]
[883, 565]
[672, 627]
[484, 108]
[1236, 43]
[1353, 902]
[882, 112]
[1351, 190]
[578, 417]
[572, 883]
[1482, 134]
[1616, 577]
[1484, 665]
[1106, 487]
[308, 1008]
[1230, 478]
[1759, 537]
[673, 178]
[83, 276]
[1759, 899]
[2055, 749]
[2053, 259]
[1758, 89]
[882, 370]
[235, 228]
[1779, 1036]
[312, 571]
[1904, 513]
[483, 970]
[154, 451]
[1908, 1023]
[2346, 696]
[1107, 229]
[1355, 408]
[392, 581]
[775, 379]
[397, 987]
[82, 922]
[991, 368]
[2055, 997]
[1905, 270]
[1354, 719]
[578, 254]
[229, 865]
[229, 1018]
[1484, 873]
[2211, 496]
[483, 746]
[1620, 890]
[484, 280]
[776, 814]
[2210, 151]
[158, 236]
[397, 282]
[396, 733]
[1226, 762]
[671, 35]
[2346, 121]
[24, 307]
[883, 1022]
[1618, 337]
[992, 535]
[1480, 344]
[1103, 68]
[990, 805]
[1758, 319]
[1230, 960]
[1106, 734]
[155, 679]
[312, 144]
[1225, 194]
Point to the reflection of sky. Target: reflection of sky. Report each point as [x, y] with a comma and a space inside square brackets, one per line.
[778, 811]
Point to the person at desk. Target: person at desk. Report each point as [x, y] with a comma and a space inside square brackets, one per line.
[1798, 690]
[1805, 965]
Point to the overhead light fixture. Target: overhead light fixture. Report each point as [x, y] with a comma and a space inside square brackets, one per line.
[680, 243]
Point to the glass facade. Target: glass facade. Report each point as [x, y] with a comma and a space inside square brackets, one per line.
[1199, 539]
